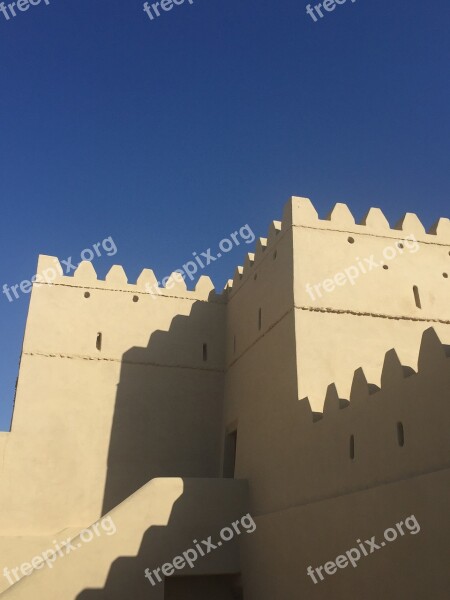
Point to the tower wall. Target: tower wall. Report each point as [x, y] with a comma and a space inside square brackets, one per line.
[349, 312]
[94, 420]
[301, 464]
[261, 384]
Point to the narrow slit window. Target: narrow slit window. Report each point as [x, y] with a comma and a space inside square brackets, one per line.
[205, 352]
[352, 447]
[400, 434]
[259, 318]
[417, 297]
[229, 459]
[98, 343]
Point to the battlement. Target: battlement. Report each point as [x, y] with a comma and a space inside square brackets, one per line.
[253, 259]
[50, 271]
[381, 435]
[434, 358]
[111, 316]
[300, 212]
[288, 270]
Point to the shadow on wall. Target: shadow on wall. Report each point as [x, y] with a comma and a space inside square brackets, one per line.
[212, 587]
[167, 423]
[168, 409]
[191, 518]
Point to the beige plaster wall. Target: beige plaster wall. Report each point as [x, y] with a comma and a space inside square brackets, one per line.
[276, 557]
[14, 551]
[153, 526]
[354, 325]
[261, 367]
[299, 352]
[92, 426]
[293, 460]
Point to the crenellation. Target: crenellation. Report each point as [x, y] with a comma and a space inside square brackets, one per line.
[300, 212]
[253, 260]
[341, 216]
[228, 287]
[147, 279]
[238, 273]
[116, 277]
[393, 371]
[398, 432]
[332, 401]
[410, 223]
[375, 219]
[85, 273]
[433, 356]
[360, 390]
[261, 246]
[51, 273]
[249, 261]
[177, 283]
[441, 229]
[433, 353]
[274, 230]
[323, 248]
[204, 287]
[48, 269]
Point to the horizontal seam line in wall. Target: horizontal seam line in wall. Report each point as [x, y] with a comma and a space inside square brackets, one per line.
[136, 292]
[260, 337]
[355, 313]
[401, 234]
[354, 491]
[117, 360]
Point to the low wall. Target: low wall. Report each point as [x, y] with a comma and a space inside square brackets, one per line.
[154, 525]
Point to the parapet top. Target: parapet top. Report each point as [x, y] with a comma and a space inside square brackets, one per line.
[300, 212]
[50, 271]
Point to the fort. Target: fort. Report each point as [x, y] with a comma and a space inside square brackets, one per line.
[325, 419]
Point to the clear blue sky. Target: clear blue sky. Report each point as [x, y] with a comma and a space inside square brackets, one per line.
[169, 134]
